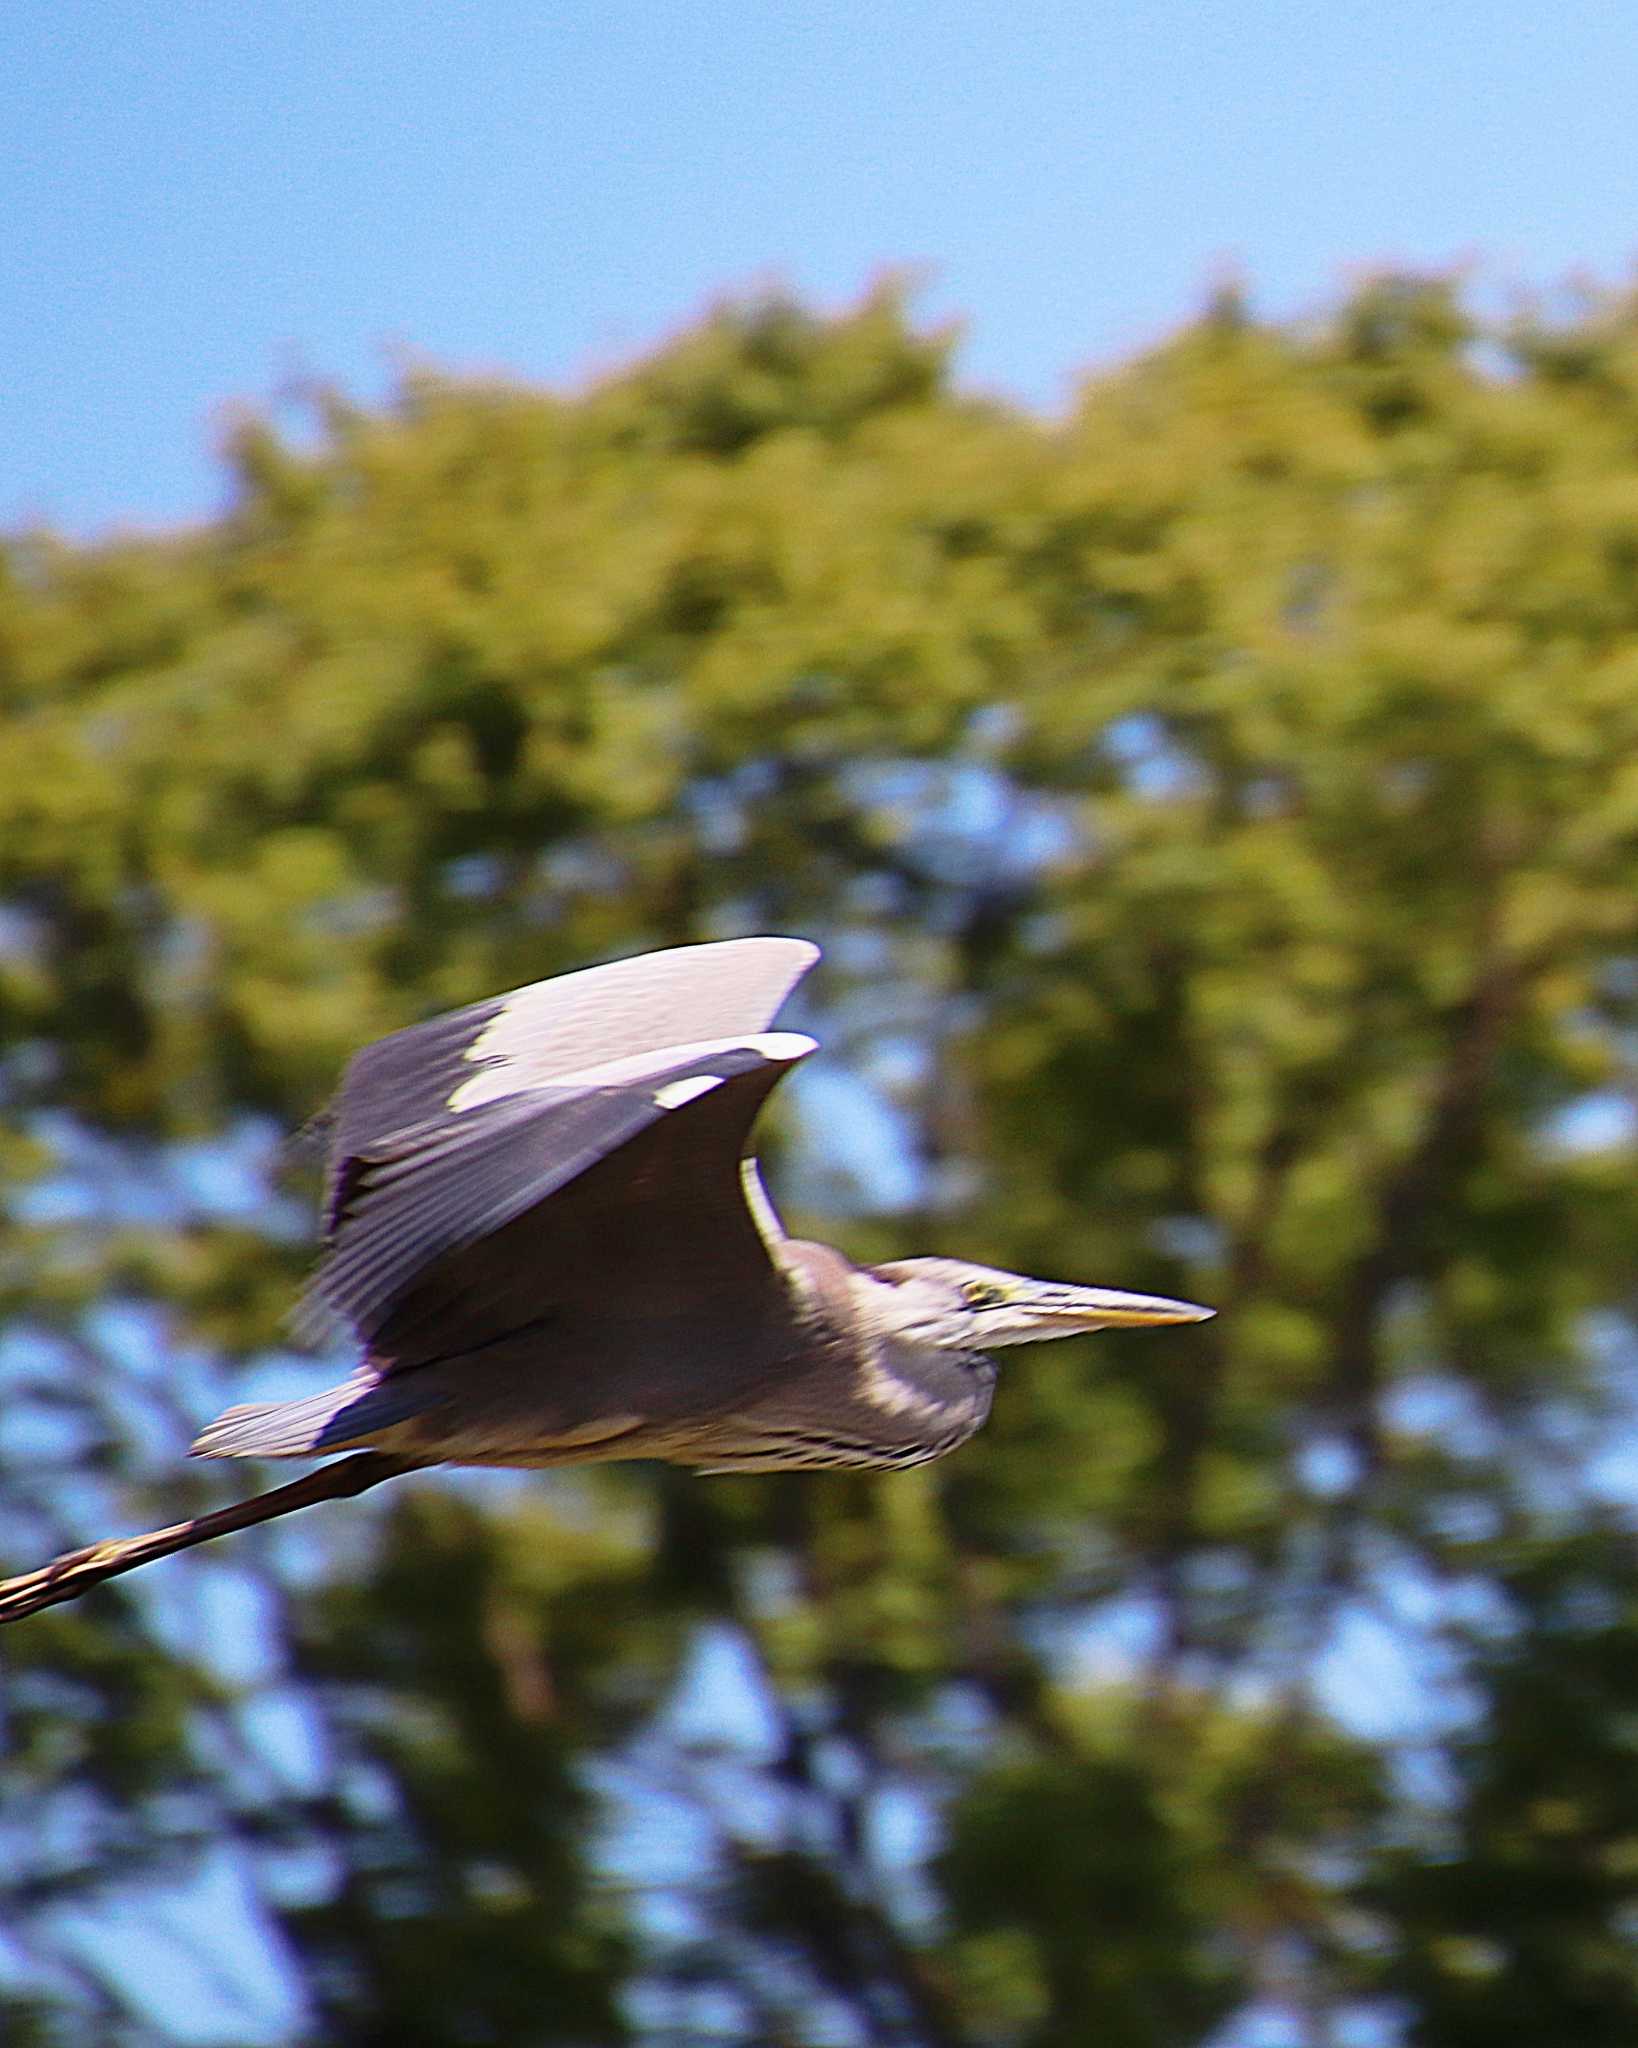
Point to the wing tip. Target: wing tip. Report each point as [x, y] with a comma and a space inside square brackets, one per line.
[783, 1046]
[799, 952]
[809, 949]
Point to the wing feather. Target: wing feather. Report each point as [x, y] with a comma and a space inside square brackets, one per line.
[405, 1210]
[622, 1013]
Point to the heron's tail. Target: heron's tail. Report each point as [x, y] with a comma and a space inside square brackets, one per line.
[339, 1419]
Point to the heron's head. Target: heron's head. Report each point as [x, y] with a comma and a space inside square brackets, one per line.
[950, 1302]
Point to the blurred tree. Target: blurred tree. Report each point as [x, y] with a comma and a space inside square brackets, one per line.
[1221, 813]
[1521, 1928]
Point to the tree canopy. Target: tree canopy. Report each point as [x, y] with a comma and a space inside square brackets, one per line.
[1220, 810]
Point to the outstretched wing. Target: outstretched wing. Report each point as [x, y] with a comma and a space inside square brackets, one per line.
[495, 1165]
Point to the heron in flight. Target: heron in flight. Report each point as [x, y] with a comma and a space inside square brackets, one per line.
[545, 1231]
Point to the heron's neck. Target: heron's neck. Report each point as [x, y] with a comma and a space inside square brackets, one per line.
[822, 1282]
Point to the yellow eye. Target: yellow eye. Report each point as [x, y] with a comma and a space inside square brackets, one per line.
[982, 1294]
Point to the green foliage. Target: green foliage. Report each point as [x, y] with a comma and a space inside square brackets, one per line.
[1128, 1862]
[1221, 813]
[1521, 1929]
[467, 1919]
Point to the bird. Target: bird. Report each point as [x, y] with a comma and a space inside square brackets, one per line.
[546, 1233]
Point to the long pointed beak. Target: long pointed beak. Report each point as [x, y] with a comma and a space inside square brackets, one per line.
[1107, 1308]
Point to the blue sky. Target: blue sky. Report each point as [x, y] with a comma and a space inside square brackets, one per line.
[203, 200]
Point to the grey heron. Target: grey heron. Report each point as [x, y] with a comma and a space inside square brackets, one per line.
[545, 1231]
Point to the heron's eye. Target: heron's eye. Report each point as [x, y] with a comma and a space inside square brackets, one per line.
[982, 1294]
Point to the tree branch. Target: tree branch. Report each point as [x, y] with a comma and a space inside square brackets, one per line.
[1410, 1200]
